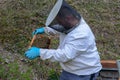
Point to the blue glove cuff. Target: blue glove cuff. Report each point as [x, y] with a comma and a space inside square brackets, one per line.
[39, 31]
[42, 30]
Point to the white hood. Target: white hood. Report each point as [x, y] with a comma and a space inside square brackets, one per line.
[54, 12]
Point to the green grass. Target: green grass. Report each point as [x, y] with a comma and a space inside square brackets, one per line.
[11, 71]
[18, 19]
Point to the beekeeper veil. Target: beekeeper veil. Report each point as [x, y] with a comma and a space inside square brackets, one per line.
[60, 10]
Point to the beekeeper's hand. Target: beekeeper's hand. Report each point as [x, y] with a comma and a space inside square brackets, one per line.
[38, 31]
[32, 53]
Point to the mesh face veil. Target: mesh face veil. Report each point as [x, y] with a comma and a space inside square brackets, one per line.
[66, 9]
[62, 24]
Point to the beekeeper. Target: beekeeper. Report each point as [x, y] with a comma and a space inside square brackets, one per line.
[77, 52]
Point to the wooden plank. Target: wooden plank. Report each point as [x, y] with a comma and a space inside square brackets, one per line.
[109, 63]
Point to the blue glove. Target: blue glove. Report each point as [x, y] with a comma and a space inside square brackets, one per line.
[32, 53]
[38, 31]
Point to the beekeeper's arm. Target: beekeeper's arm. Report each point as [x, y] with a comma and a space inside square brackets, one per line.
[73, 47]
[47, 30]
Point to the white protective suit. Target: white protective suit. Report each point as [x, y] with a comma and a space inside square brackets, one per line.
[77, 52]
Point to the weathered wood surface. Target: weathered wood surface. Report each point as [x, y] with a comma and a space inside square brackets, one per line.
[109, 70]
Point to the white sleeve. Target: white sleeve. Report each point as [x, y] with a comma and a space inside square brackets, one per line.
[50, 31]
[60, 55]
[69, 51]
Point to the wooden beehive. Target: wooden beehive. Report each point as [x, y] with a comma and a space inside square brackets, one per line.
[109, 70]
[41, 41]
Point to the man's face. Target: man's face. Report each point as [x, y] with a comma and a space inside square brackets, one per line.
[63, 22]
[60, 21]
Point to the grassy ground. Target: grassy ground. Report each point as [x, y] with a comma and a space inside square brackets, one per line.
[18, 19]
